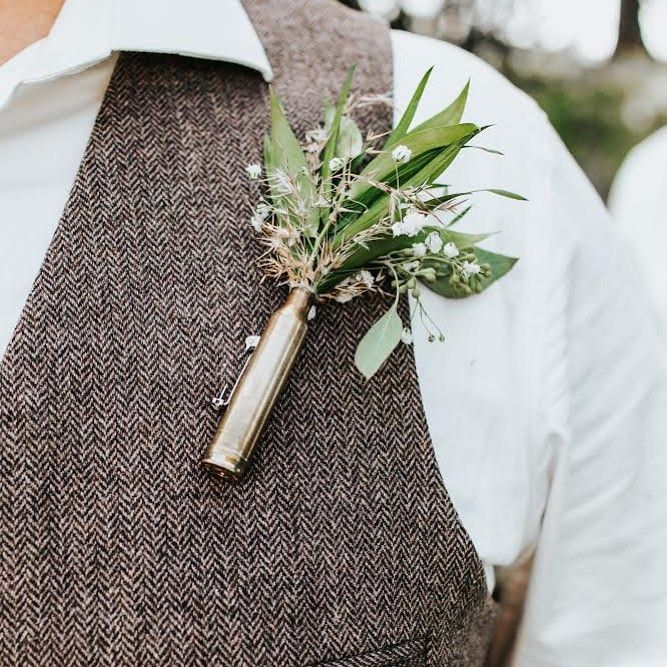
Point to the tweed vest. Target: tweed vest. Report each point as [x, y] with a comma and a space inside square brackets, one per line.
[341, 546]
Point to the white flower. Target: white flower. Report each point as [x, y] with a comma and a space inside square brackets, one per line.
[401, 154]
[411, 225]
[406, 337]
[410, 266]
[254, 171]
[256, 221]
[419, 249]
[433, 242]
[450, 250]
[311, 313]
[336, 164]
[397, 229]
[365, 277]
[263, 210]
[470, 269]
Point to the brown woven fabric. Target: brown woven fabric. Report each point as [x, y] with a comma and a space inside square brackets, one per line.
[341, 546]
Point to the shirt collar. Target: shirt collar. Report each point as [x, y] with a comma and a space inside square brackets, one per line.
[87, 32]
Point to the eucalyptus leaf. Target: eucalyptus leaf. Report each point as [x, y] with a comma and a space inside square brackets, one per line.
[350, 142]
[378, 343]
[500, 265]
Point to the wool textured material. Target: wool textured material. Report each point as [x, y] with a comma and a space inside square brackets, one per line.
[341, 546]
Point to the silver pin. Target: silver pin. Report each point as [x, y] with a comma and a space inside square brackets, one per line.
[222, 400]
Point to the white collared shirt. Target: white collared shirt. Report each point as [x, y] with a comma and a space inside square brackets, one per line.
[547, 403]
[637, 204]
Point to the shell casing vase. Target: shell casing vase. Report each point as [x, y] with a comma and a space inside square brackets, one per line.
[257, 389]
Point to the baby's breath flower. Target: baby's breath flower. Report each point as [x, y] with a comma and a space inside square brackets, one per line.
[254, 171]
[406, 337]
[433, 242]
[336, 164]
[256, 222]
[419, 249]
[365, 277]
[450, 250]
[470, 269]
[263, 211]
[401, 154]
[411, 225]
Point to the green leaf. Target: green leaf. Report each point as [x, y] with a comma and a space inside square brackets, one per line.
[378, 343]
[418, 141]
[459, 216]
[408, 116]
[493, 151]
[350, 142]
[508, 194]
[283, 151]
[500, 265]
[332, 123]
[287, 153]
[451, 115]
[426, 175]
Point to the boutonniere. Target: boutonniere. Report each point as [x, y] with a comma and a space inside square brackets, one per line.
[341, 216]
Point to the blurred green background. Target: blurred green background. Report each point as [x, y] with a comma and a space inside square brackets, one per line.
[597, 67]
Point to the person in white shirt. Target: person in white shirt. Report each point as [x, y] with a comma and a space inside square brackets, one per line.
[636, 204]
[546, 404]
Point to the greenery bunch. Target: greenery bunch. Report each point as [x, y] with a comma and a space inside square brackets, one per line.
[342, 215]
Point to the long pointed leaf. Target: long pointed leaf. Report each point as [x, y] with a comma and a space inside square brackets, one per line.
[408, 115]
[451, 115]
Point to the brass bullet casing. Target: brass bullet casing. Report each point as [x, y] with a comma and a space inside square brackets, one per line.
[258, 387]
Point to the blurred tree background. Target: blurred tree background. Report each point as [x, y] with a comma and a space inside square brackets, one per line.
[595, 66]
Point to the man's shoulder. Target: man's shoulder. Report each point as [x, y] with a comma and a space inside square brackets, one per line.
[490, 91]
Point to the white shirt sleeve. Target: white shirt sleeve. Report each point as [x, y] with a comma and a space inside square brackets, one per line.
[547, 402]
[599, 590]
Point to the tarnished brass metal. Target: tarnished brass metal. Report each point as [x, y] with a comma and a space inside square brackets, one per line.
[258, 387]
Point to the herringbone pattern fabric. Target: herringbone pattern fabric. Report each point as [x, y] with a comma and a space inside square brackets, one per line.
[341, 546]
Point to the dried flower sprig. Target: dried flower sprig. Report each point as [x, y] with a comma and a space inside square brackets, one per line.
[340, 217]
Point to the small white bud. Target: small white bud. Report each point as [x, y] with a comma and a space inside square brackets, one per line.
[365, 277]
[450, 250]
[336, 164]
[254, 171]
[419, 249]
[406, 337]
[413, 223]
[470, 268]
[256, 222]
[433, 242]
[401, 154]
